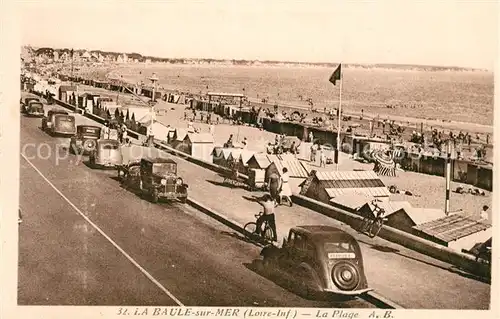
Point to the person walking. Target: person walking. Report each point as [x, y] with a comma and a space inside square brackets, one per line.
[285, 190]
[274, 185]
[322, 158]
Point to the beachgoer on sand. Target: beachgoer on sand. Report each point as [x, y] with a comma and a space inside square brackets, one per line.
[322, 158]
[484, 213]
[314, 149]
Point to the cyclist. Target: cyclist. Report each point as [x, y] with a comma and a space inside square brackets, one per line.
[268, 204]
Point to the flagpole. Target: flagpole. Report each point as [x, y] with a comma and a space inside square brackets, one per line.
[338, 124]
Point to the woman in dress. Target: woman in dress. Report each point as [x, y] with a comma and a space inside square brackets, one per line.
[286, 191]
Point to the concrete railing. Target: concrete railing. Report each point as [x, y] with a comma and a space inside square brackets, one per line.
[439, 252]
[426, 247]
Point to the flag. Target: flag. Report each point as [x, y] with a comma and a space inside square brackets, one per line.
[336, 75]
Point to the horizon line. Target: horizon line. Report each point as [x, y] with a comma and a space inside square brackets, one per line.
[272, 61]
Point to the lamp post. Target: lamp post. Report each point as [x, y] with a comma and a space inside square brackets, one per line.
[154, 79]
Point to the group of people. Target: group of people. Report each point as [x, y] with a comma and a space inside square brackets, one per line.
[279, 189]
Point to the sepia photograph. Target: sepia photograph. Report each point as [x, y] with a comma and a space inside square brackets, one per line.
[268, 159]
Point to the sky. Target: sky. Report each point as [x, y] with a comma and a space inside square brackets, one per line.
[434, 32]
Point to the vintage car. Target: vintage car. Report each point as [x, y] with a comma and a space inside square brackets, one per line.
[27, 100]
[107, 154]
[320, 260]
[85, 140]
[155, 178]
[59, 122]
[35, 108]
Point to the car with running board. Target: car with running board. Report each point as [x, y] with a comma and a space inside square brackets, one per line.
[154, 178]
[319, 260]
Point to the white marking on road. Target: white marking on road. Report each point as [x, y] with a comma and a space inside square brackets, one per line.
[135, 263]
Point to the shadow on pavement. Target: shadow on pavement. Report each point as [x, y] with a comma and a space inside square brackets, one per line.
[239, 237]
[286, 283]
[254, 199]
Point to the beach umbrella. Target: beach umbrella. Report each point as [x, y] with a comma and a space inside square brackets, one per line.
[384, 164]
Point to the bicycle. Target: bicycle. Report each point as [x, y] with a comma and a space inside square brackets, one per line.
[266, 232]
[372, 226]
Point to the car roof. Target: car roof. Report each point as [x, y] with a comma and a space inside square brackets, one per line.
[159, 160]
[322, 233]
[35, 102]
[91, 126]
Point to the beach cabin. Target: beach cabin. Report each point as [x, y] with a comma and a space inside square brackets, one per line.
[160, 131]
[226, 156]
[455, 231]
[243, 161]
[297, 170]
[256, 167]
[178, 141]
[66, 91]
[200, 145]
[325, 186]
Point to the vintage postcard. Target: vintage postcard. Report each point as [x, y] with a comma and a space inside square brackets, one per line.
[248, 159]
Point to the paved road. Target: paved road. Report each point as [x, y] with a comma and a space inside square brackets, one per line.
[65, 260]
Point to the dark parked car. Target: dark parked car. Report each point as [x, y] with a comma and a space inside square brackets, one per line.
[85, 140]
[319, 259]
[24, 105]
[35, 109]
[155, 178]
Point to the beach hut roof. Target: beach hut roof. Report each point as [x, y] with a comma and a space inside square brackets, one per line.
[340, 183]
[295, 167]
[180, 134]
[353, 202]
[261, 159]
[145, 119]
[235, 153]
[424, 215]
[66, 88]
[200, 137]
[452, 227]
[217, 152]
[226, 152]
[245, 156]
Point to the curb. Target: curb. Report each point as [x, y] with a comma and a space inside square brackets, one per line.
[380, 301]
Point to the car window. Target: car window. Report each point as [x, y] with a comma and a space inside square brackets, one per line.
[110, 146]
